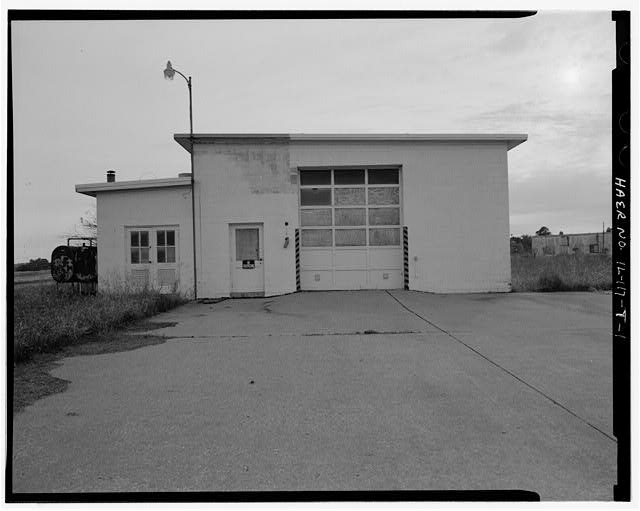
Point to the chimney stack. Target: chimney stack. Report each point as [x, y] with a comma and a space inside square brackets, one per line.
[111, 176]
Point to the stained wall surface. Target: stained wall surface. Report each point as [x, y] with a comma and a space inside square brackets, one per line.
[117, 211]
[455, 204]
[454, 198]
[246, 182]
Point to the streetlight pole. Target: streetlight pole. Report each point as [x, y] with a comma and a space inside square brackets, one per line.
[169, 73]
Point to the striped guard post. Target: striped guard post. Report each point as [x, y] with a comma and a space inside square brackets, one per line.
[297, 259]
[405, 250]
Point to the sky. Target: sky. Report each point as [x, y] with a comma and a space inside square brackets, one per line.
[90, 96]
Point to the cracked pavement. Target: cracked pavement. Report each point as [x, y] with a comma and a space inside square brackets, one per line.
[367, 390]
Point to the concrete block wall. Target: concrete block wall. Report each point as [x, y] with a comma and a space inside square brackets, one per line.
[454, 203]
[118, 210]
[245, 182]
[454, 195]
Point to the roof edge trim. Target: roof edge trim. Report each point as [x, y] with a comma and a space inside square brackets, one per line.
[512, 139]
[92, 189]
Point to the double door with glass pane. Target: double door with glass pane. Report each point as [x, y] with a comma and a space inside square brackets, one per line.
[152, 257]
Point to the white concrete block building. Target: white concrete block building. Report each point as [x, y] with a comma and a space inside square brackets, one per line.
[277, 213]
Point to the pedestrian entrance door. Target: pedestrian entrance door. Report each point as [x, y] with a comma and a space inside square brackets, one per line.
[247, 271]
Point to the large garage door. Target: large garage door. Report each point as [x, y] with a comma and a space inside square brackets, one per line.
[350, 228]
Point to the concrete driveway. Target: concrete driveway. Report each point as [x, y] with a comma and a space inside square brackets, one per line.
[366, 390]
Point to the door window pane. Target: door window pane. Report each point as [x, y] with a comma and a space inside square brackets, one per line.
[144, 255]
[315, 196]
[315, 217]
[144, 238]
[171, 238]
[383, 177]
[171, 254]
[349, 196]
[349, 177]
[162, 256]
[160, 237]
[384, 196]
[351, 237]
[382, 237]
[317, 238]
[350, 216]
[135, 239]
[315, 177]
[247, 244]
[384, 216]
[135, 255]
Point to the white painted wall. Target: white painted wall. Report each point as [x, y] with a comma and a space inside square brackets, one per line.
[455, 204]
[118, 210]
[244, 183]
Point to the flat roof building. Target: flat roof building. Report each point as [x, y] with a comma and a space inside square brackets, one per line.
[276, 213]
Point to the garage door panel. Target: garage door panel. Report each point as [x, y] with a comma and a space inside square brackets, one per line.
[350, 229]
[316, 279]
[382, 258]
[385, 279]
[318, 259]
[351, 259]
[350, 279]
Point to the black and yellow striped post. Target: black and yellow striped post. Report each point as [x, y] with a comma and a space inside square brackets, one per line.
[405, 250]
[297, 259]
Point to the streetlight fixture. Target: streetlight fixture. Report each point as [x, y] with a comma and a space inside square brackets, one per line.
[169, 73]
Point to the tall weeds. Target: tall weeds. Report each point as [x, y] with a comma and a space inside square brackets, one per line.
[575, 272]
[47, 317]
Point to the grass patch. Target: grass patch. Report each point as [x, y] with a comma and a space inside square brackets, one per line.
[48, 317]
[575, 272]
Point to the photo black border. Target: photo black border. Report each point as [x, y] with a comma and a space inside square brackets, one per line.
[621, 294]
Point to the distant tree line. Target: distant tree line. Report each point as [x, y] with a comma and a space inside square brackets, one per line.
[33, 265]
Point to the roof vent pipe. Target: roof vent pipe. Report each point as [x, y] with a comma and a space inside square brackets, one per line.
[111, 176]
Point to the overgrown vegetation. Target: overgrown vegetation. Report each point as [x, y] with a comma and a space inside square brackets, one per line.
[575, 272]
[47, 318]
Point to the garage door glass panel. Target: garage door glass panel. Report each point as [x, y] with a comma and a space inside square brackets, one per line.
[315, 177]
[349, 177]
[315, 196]
[316, 238]
[384, 196]
[349, 196]
[384, 237]
[384, 216]
[350, 216]
[351, 237]
[247, 244]
[315, 217]
[383, 177]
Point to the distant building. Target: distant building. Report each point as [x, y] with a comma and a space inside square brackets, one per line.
[583, 243]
